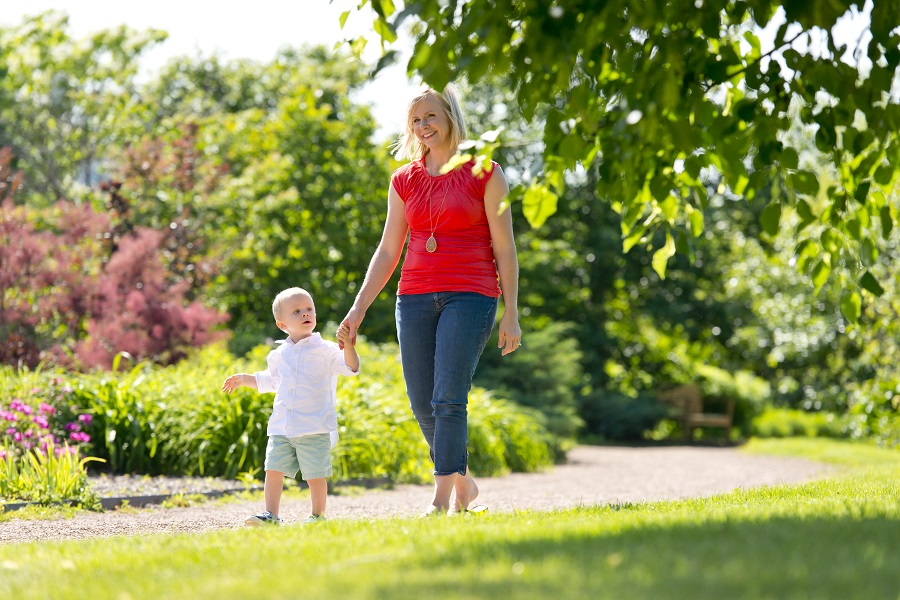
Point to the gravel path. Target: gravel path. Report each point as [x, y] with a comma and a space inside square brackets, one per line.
[594, 475]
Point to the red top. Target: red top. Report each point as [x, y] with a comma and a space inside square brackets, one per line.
[464, 259]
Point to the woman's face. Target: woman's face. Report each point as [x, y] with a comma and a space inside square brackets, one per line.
[429, 123]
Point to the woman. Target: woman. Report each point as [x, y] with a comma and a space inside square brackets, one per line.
[459, 242]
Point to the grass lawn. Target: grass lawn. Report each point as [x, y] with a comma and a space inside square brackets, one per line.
[835, 538]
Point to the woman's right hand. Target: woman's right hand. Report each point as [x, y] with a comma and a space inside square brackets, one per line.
[352, 321]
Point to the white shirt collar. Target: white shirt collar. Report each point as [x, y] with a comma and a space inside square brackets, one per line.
[313, 340]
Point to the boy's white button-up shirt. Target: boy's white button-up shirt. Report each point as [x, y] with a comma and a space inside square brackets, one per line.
[304, 379]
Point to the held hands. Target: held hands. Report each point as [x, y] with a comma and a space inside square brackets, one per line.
[352, 322]
[509, 334]
[343, 336]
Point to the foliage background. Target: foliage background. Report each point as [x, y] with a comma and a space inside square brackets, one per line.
[217, 183]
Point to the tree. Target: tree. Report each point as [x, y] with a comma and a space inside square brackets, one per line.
[303, 198]
[64, 102]
[668, 96]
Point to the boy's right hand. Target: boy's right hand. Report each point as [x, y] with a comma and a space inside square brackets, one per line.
[233, 383]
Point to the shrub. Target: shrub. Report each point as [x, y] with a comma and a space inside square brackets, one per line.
[176, 420]
[46, 477]
[545, 374]
[788, 422]
[621, 418]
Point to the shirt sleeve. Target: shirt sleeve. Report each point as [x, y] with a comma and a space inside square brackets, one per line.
[268, 380]
[337, 364]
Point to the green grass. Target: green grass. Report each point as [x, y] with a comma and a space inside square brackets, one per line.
[834, 538]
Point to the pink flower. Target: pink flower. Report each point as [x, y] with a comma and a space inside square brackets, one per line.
[86, 419]
[8, 416]
[47, 409]
[2, 454]
[16, 436]
[41, 422]
[72, 427]
[35, 391]
[79, 437]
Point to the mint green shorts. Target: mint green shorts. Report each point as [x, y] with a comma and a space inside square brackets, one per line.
[309, 454]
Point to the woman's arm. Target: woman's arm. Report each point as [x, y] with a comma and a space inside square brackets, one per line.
[383, 262]
[504, 246]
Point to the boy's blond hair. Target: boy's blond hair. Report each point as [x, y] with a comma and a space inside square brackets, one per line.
[284, 295]
[408, 146]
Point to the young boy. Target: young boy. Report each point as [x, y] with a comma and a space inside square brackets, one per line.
[302, 430]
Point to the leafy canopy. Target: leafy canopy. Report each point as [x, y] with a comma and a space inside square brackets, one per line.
[669, 97]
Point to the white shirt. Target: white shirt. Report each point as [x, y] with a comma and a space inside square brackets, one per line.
[304, 379]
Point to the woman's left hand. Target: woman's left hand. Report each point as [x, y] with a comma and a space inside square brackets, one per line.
[510, 335]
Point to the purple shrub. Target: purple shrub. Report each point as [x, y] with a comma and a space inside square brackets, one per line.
[77, 287]
[135, 310]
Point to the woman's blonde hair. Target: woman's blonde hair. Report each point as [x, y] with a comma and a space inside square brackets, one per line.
[408, 146]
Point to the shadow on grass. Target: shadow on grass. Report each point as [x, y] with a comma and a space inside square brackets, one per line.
[851, 557]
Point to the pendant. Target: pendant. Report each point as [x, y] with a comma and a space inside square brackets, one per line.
[431, 244]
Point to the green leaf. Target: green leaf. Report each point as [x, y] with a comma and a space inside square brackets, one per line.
[805, 182]
[884, 175]
[696, 220]
[385, 30]
[868, 252]
[789, 158]
[820, 275]
[887, 222]
[683, 245]
[831, 241]
[538, 204]
[869, 283]
[862, 192]
[770, 218]
[661, 257]
[804, 211]
[634, 236]
[343, 18]
[851, 306]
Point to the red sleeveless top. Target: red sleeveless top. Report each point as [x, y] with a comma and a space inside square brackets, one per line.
[464, 259]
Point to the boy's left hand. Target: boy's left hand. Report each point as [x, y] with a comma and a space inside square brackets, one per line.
[343, 334]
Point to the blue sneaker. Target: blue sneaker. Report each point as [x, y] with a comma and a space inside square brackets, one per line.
[263, 519]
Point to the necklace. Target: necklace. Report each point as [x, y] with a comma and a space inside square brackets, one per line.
[431, 244]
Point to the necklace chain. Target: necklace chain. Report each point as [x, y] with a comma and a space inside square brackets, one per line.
[431, 244]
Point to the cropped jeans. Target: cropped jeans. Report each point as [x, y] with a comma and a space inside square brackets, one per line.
[441, 338]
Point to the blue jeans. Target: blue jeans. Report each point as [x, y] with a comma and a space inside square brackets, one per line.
[441, 339]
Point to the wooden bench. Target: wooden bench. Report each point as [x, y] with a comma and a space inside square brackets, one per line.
[686, 404]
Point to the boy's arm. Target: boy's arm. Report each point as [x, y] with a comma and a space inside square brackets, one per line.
[239, 380]
[351, 358]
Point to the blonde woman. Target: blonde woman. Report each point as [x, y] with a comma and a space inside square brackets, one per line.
[461, 254]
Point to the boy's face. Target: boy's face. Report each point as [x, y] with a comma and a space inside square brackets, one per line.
[298, 317]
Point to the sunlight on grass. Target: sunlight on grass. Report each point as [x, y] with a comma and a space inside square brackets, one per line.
[854, 454]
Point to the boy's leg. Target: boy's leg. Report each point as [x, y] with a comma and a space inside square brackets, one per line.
[314, 456]
[273, 487]
[318, 493]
